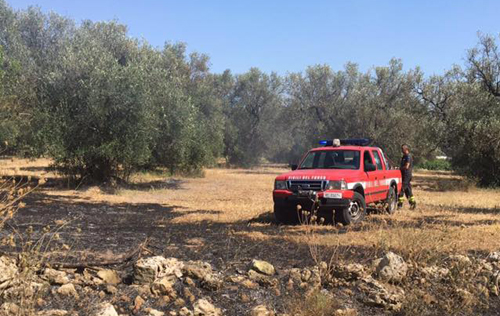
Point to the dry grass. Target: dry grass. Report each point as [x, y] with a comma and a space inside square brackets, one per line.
[452, 215]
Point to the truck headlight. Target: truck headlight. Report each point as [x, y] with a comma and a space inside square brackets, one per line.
[336, 185]
[280, 185]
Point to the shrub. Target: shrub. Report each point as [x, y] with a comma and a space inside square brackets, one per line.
[436, 164]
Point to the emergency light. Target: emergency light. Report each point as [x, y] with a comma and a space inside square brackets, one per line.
[350, 141]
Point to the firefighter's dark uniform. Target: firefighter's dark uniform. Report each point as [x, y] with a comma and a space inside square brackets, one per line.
[406, 175]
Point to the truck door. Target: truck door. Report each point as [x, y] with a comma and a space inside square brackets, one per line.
[370, 185]
[380, 177]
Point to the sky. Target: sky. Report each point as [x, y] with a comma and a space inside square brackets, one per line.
[289, 35]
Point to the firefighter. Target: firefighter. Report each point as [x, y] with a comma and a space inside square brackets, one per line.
[406, 175]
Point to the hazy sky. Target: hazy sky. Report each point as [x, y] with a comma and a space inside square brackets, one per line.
[289, 35]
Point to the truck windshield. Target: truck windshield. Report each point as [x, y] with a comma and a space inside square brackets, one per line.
[331, 159]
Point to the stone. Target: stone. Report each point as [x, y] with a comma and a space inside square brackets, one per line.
[211, 282]
[189, 282]
[464, 260]
[9, 309]
[154, 312]
[346, 312]
[55, 277]
[163, 286]
[188, 295]
[67, 290]
[352, 271]
[202, 307]
[109, 276]
[148, 270]
[8, 269]
[185, 312]
[494, 256]
[435, 272]
[53, 312]
[197, 269]
[261, 310]
[378, 295]
[105, 309]
[110, 289]
[392, 268]
[262, 279]
[249, 284]
[138, 302]
[263, 267]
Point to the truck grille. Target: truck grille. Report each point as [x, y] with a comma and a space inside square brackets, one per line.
[306, 185]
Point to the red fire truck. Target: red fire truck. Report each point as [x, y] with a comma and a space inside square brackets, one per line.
[338, 180]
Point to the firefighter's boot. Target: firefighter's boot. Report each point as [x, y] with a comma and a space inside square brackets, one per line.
[413, 203]
[400, 202]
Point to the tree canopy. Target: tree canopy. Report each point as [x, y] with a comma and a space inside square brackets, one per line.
[103, 104]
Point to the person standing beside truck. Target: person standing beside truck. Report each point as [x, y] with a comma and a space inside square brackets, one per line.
[406, 175]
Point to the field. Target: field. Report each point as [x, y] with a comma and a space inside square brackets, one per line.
[225, 218]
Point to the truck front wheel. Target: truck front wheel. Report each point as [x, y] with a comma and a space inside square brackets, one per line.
[354, 213]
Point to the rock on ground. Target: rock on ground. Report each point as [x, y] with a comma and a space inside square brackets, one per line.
[378, 295]
[67, 290]
[109, 276]
[55, 276]
[106, 309]
[147, 270]
[494, 256]
[197, 269]
[392, 268]
[261, 310]
[263, 267]
[202, 307]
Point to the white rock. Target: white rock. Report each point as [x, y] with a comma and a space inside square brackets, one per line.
[106, 309]
[392, 268]
[494, 256]
[147, 270]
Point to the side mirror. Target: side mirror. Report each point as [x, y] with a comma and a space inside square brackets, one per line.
[293, 167]
[370, 167]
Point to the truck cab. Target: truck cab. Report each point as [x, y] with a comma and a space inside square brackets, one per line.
[340, 178]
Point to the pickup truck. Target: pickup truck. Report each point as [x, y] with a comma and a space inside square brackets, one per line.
[339, 180]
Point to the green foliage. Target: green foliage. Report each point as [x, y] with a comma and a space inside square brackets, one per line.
[104, 104]
[436, 164]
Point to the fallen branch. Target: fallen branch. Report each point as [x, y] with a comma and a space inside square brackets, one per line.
[126, 257]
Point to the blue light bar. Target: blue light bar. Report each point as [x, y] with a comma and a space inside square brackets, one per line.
[326, 142]
[356, 141]
[351, 141]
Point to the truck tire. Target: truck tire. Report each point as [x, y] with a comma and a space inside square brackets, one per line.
[283, 215]
[392, 201]
[354, 213]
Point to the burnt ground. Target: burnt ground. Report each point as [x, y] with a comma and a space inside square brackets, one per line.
[93, 232]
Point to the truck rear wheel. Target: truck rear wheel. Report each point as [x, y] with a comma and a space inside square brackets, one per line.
[392, 201]
[354, 213]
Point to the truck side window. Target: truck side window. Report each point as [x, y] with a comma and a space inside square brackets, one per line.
[367, 159]
[378, 161]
